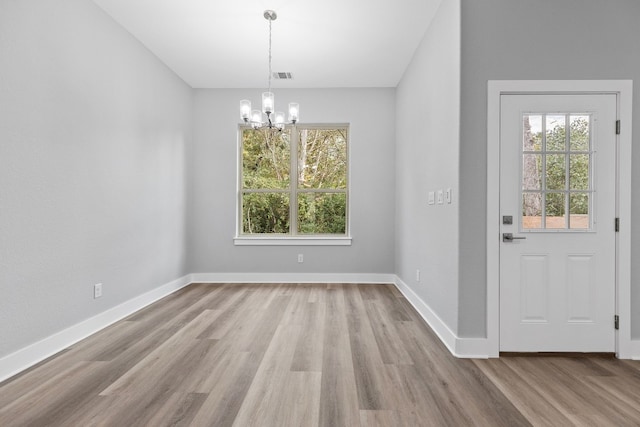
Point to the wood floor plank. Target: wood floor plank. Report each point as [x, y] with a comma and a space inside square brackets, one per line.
[309, 345]
[154, 368]
[339, 395]
[367, 361]
[179, 410]
[530, 402]
[305, 355]
[379, 418]
[390, 345]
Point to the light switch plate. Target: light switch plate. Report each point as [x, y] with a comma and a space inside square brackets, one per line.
[440, 197]
[432, 197]
[447, 195]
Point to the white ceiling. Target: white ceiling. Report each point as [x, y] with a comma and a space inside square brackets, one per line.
[328, 43]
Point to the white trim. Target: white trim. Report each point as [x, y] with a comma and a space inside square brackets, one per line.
[459, 347]
[625, 347]
[26, 357]
[292, 278]
[292, 241]
[633, 351]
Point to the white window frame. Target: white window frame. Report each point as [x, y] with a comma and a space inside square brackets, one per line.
[294, 239]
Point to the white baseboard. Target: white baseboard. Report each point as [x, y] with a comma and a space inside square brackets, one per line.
[475, 348]
[24, 358]
[372, 278]
[634, 350]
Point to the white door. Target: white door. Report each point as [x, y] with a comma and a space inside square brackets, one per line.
[557, 201]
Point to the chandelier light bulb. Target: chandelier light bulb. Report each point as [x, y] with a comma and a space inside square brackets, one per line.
[294, 112]
[256, 119]
[245, 110]
[279, 120]
[268, 102]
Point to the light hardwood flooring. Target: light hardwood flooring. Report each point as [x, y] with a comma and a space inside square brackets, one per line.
[305, 355]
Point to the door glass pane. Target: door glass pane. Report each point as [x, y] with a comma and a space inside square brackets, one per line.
[579, 171]
[556, 169]
[555, 134]
[532, 172]
[555, 212]
[265, 213]
[532, 135]
[322, 213]
[579, 129]
[579, 210]
[531, 210]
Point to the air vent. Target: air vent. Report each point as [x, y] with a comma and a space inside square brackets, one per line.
[280, 75]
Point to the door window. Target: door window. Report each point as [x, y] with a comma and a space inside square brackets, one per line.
[556, 170]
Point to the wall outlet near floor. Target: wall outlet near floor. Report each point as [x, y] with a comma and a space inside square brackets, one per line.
[300, 258]
[417, 275]
[97, 290]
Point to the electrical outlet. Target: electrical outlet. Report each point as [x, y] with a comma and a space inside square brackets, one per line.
[300, 258]
[417, 275]
[97, 290]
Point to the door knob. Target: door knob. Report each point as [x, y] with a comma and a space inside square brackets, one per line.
[509, 237]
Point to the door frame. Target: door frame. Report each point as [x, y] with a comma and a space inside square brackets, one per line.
[623, 89]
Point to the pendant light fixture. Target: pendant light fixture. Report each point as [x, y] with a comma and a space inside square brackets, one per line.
[274, 119]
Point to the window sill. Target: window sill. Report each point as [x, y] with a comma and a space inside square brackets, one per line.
[292, 241]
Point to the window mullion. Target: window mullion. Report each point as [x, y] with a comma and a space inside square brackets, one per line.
[293, 182]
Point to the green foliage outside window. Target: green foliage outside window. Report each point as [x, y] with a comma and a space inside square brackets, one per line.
[319, 186]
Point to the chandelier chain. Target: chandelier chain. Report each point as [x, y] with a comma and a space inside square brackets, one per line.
[270, 20]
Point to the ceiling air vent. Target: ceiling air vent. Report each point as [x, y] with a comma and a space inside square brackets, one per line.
[280, 75]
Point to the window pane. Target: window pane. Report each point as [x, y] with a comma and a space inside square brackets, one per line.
[579, 132]
[579, 171]
[265, 213]
[322, 213]
[531, 210]
[531, 171]
[532, 137]
[556, 136]
[265, 159]
[555, 216]
[556, 167]
[322, 158]
[579, 209]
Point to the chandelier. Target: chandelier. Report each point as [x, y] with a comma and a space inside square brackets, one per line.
[274, 120]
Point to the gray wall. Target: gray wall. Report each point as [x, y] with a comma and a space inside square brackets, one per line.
[93, 130]
[427, 159]
[213, 176]
[519, 40]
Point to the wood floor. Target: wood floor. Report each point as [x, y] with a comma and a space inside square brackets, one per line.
[305, 355]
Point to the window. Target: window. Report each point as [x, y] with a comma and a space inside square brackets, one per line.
[293, 184]
[557, 164]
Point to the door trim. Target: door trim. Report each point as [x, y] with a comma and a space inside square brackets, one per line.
[623, 89]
